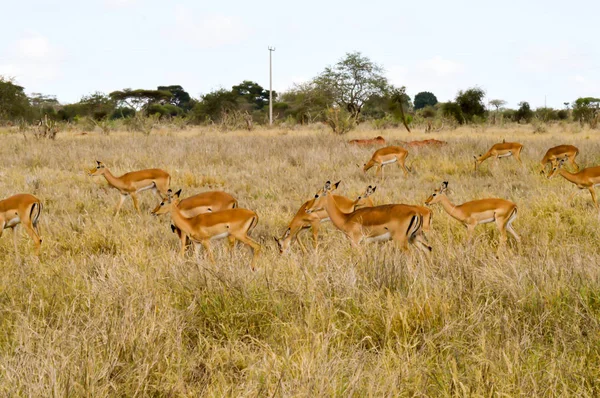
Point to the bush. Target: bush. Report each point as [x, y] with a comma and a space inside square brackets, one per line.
[524, 113]
[454, 111]
[340, 120]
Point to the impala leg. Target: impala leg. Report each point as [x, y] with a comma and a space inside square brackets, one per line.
[15, 239]
[573, 163]
[135, 201]
[501, 224]
[301, 243]
[121, 201]
[231, 241]
[518, 157]
[470, 232]
[36, 239]
[183, 240]
[593, 192]
[315, 234]
[401, 164]
[379, 170]
[206, 244]
[570, 200]
[253, 244]
[160, 197]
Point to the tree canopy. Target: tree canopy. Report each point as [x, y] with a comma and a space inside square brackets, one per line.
[425, 98]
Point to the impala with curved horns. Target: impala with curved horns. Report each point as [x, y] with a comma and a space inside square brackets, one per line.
[303, 220]
[234, 224]
[471, 214]
[553, 155]
[585, 179]
[388, 155]
[132, 183]
[22, 209]
[400, 223]
[501, 150]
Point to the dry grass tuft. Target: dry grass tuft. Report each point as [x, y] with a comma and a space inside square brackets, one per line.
[110, 310]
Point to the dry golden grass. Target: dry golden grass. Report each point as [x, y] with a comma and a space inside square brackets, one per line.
[110, 309]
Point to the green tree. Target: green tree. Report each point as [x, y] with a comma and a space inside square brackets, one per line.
[305, 102]
[471, 103]
[213, 105]
[140, 99]
[180, 98]
[453, 110]
[586, 110]
[351, 82]
[524, 113]
[14, 103]
[425, 98]
[253, 93]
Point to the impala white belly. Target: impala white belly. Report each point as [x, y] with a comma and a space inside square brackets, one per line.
[505, 155]
[220, 236]
[325, 219]
[487, 220]
[379, 238]
[12, 222]
[389, 161]
[146, 188]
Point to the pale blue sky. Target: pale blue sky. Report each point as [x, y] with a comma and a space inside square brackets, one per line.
[515, 50]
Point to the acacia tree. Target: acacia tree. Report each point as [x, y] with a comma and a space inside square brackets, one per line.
[497, 103]
[351, 82]
[139, 99]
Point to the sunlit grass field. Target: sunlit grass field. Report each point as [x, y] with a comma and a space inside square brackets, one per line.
[110, 309]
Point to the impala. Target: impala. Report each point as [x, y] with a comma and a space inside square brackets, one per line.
[205, 202]
[379, 140]
[471, 214]
[586, 178]
[130, 184]
[501, 150]
[21, 209]
[567, 152]
[303, 220]
[234, 224]
[387, 155]
[400, 223]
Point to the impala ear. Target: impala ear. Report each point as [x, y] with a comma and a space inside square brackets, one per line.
[444, 185]
[373, 189]
[177, 194]
[98, 162]
[336, 185]
[327, 186]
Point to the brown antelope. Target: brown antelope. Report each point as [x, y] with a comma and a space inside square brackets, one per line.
[400, 223]
[379, 140]
[586, 178]
[303, 220]
[471, 214]
[132, 183]
[22, 209]
[567, 152]
[501, 150]
[234, 224]
[387, 155]
[205, 202]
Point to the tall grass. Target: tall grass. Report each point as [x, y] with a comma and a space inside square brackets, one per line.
[110, 310]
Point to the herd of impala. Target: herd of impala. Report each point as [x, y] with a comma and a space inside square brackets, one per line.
[216, 215]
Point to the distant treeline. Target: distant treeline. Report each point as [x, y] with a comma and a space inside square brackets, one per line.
[350, 92]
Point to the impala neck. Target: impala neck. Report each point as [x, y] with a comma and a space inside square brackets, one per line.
[568, 176]
[338, 217]
[178, 218]
[112, 180]
[449, 207]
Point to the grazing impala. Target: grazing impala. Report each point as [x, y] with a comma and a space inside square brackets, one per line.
[586, 178]
[130, 184]
[205, 202]
[567, 152]
[471, 214]
[501, 150]
[379, 140]
[21, 209]
[400, 223]
[234, 224]
[387, 155]
[303, 220]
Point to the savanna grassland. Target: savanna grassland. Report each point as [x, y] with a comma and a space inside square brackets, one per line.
[110, 309]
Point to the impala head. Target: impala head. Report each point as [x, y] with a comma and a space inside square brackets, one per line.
[557, 165]
[320, 196]
[437, 194]
[283, 243]
[98, 170]
[164, 207]
[370, 191]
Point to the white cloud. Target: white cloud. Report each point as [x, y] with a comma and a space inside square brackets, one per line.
[210, 31]
[119, 3]
[578, 79]
[442, 67]
[32, 57]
